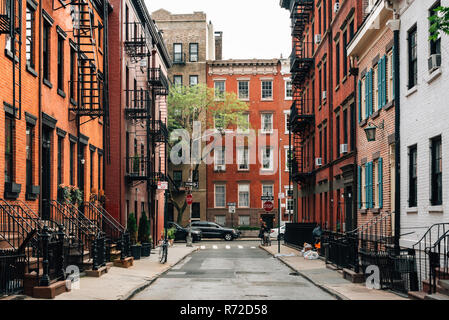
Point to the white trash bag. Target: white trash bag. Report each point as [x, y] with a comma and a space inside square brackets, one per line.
[311, 255]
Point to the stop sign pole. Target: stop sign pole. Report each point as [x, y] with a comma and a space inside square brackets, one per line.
[189, 200]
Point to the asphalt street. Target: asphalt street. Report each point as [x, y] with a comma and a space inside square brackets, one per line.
[235, 270]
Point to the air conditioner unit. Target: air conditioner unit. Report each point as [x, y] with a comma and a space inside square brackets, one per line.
[434, 62]
[324, 95]
[344, 148]
[317, 38]
[336, 7]
[318, 162]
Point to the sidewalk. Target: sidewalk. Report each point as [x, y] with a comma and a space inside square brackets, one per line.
[121, 283]
[328, 279]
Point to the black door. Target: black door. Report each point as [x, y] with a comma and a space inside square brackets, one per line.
[348, 212]
[196, 210]
[268, 218]
[46, 173]
[81, 164]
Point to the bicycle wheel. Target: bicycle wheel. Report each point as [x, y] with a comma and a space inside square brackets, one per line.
[163, 252]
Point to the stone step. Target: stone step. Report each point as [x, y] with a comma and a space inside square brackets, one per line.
[417, 295]
[436, 296]
[444, 284]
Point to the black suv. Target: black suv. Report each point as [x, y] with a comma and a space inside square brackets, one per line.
[213, 230]
[181, 233]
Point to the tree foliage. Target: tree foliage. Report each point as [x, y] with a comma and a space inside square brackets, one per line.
[439, 22]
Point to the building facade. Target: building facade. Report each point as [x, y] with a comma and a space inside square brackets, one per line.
[138, 89]
[251, 167]
[190, 40]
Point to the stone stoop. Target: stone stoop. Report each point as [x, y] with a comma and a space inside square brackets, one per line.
[437, 296]
[52, 290]
[101, 271]
[417, 295]
[353, 276]
[125, 263]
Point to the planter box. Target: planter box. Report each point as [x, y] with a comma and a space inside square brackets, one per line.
[32, 192]
[146, 249]
[12, 190]
[136, 251]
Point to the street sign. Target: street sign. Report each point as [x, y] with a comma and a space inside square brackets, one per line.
[231, 204]
[189, 199]
[268, 206]
[267, 198]
[162, 185]
[231, 209]
[191, 184]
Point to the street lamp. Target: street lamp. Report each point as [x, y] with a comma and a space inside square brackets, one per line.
[370, 131]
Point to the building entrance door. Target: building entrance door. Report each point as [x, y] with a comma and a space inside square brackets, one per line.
[46, 173]
[348, 212]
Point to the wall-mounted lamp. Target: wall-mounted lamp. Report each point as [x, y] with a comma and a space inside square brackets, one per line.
[83, 161]
[370, 131]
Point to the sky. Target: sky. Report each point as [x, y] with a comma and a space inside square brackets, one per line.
[251, 28]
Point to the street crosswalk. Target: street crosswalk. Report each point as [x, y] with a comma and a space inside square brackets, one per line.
[226, 247]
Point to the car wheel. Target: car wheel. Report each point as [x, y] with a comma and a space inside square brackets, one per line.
[228, 237]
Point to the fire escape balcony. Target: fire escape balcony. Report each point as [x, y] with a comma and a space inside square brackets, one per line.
[301, 115]
[137, 168]
[301, 61]
[157, 78]
[158, 131]
[300, 173]
[300, 13]
[179, 58]
[5, 16]
[155, 177]
[135, 43]
[139, 104]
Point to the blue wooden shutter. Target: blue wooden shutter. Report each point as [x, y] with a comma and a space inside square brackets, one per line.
[370, 92]
[359, 179]
[360, 100]
[381, 191]
[366, 95]
[366, 185]
[379, 84]
[384, 80]
[370, 184]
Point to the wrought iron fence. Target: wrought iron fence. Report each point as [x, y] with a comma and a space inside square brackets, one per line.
[438, 256]
[341, 250]
[12, 271]
[296, 234]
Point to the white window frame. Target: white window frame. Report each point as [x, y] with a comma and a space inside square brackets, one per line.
[286, 150]
[246, 217]
[285, 85]
[271, 158]
[238, 90]
[271, 185]
[270, 98]
[262, 122]
[239, 156]
[390, 76]
[217, 160]
[217, 94]
[286, 118]
[193, 76]
[240, 186]
[215, 195]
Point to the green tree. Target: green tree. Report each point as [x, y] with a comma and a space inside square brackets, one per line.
[439, 22]
[144, 229]
[132, 227]
[187, 104]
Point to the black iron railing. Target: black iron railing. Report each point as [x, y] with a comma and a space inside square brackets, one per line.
[5, 16]
[157, 78]
[301, 115]
[155, 177]
[341, 250]
[158, 131]
[139, 104]
[301, 60]
[135, 41]
[137, 167]
[12, 271]
[296, 234]
[438, 257]
[179, 58]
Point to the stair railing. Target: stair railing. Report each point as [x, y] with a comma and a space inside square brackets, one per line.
[438, 257]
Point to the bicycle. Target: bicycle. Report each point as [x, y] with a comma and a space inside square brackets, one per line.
[265, 240]
[163, 251]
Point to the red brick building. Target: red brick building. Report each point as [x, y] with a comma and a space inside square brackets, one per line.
[246, 170]
[323, 112]
[138, 89]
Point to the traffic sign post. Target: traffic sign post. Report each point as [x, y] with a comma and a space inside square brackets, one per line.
[267, 198]
[268, 206]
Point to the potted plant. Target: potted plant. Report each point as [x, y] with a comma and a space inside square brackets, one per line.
[171, 235]
[144, 235]
[76, 195]
[132, 229]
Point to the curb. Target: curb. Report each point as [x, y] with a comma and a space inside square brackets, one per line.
[147, 283]
[323, 287]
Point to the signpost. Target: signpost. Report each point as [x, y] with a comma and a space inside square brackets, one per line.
[268, 206]
[267, 198]
[162, 185]
[189, 184]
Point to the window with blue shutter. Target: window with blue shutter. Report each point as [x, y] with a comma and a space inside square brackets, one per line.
[381, 191]
[370, 94]
[370, 185]
[367, 185]
[366, 95]
[360, 100]
[359, 183]
[384, 80]
[379, 84]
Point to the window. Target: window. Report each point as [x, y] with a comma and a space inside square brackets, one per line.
[286, 120]
[267, 190]
[29, 155]
[435, 45]
[288, 90]
[319, 20]
[193, 52]
[221, 220]
[243, 124]
[100, 35]
[195, 176]
[243, 220]
[100, 173]
[290, 205]
[30, 34]
[325, 144]
[337, 133]
[412, 176]
[267, 158]
[219, 157]
[126, 22]
[267, 89]
[193, 80]
[243, 90]
[320, 90]
[345, 126]
[177, 80]
[219, 89]
[345, 53]
[127, 86]
[9, 149]
[72, 73]
[389, 63]
[324, 16]
[219, 121]
[325, 76]
[220, 196]
[61, 63]
[243, 195]
[196, 212]
[243, 158]
[91, 169]
[288, 156]
[352, 126]
[60, 159]
[436, 172]
[412, 58]
[46, 51]
[177, 53]
[337, 63]
[177, 178]
[267, 122]
[72, 163]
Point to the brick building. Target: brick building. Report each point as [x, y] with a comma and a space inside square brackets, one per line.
[191, 42]
[323, 113]
[372, 52]
[54, 115]
[138, 89]
[250, 168]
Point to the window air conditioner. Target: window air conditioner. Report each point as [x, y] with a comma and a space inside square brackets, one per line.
[219, 168]
[434, 62]
[324, 95]
[317, 38]
[318, 162]
[344, 148]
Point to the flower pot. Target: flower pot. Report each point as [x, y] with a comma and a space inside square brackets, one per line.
[146, 249]
[136, 251]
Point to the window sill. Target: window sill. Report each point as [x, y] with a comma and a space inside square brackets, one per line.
[389, 105]
[267, 100]
[412, 210]
[436, 209]
[375, 114]
[363, 211]
[363, 122]
[411, 91]
[288, 98]
[435, 74]
[73, 102]
[47, 83]
[31, 70]
[267, 132]
[8, 53]
[61, 93]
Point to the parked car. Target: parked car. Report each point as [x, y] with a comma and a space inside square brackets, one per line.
[181, 233]
[214, 230]
[274, 233]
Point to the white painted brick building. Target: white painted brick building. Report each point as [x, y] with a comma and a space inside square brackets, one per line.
[424, 116]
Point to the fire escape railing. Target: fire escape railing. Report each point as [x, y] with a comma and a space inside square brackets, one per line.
[139, 104]
[158, 130]
[137, 168]
[135, 41]
[156, 78]
[301, 61]
[300, 14]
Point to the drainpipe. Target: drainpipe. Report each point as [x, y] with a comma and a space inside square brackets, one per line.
[40, 106]
[394, 24]
[330, 97]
